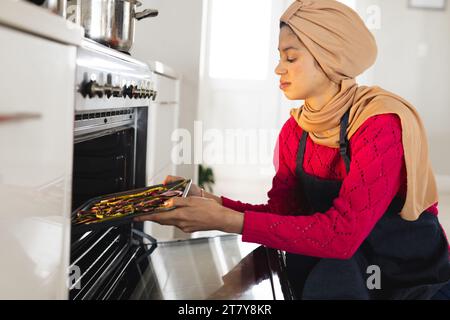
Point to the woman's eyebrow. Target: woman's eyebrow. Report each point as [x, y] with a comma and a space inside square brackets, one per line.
[288, 48]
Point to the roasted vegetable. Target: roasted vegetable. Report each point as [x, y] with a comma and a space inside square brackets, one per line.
[125, 205]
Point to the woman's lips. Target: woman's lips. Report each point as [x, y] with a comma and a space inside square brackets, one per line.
[284, 85]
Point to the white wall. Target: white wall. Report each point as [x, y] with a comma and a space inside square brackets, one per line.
[246, 113]
[174, 38]
[413, 61]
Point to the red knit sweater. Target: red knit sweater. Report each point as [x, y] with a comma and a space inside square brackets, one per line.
[377, 173]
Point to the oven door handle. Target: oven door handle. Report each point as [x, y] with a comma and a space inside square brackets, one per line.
[144, 235]
[153, 242]
[147, 253]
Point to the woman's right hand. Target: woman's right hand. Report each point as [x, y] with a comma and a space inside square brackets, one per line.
[194, 190]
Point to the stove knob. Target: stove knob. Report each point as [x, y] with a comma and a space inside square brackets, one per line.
[136, 92]
[128, 91]
[85, 89]
[108, 87]
[124, 91]
[154, 95]
[108, 90]
[117, 91]
[91, 89]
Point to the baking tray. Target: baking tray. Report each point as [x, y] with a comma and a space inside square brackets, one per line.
[84, 227]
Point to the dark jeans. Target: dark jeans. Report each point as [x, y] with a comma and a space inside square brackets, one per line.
[443, 293]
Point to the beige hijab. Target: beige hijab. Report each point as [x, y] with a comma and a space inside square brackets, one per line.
[343, 46]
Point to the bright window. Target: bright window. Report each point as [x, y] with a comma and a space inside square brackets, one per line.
[350, 3]
[239, 39]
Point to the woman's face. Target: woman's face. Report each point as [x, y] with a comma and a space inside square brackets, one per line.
[301, 77]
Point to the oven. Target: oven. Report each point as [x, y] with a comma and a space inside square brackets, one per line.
[112, 98]
[110, 137]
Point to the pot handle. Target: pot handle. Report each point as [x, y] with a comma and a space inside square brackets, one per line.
[146, 14]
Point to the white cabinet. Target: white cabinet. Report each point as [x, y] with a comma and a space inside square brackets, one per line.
[162, 121]
[36, 129]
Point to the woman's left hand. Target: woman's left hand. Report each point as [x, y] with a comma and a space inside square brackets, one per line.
[197, 214]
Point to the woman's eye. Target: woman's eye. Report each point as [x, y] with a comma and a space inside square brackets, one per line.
[289, 60]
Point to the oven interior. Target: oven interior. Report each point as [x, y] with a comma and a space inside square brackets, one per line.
[103, 165]
[108, 153]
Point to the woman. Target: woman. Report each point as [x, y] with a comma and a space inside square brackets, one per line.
[354, 190]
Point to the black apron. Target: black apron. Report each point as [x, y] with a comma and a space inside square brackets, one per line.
[411, 258]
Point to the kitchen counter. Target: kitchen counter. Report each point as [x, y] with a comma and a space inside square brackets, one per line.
[221, 267]
[163, 69]
[30, 18]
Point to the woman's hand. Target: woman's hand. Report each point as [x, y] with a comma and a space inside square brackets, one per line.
[194, 190]
[198, 214]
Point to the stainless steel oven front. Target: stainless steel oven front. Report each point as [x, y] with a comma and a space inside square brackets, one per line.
[110, 137]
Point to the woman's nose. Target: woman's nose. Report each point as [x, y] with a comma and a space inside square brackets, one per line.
[279, 70]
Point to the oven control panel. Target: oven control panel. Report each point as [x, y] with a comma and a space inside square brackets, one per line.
[106, 78]
[92, 88]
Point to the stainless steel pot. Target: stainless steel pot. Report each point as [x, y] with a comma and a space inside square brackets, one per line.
[111, 22]
[56, 6]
